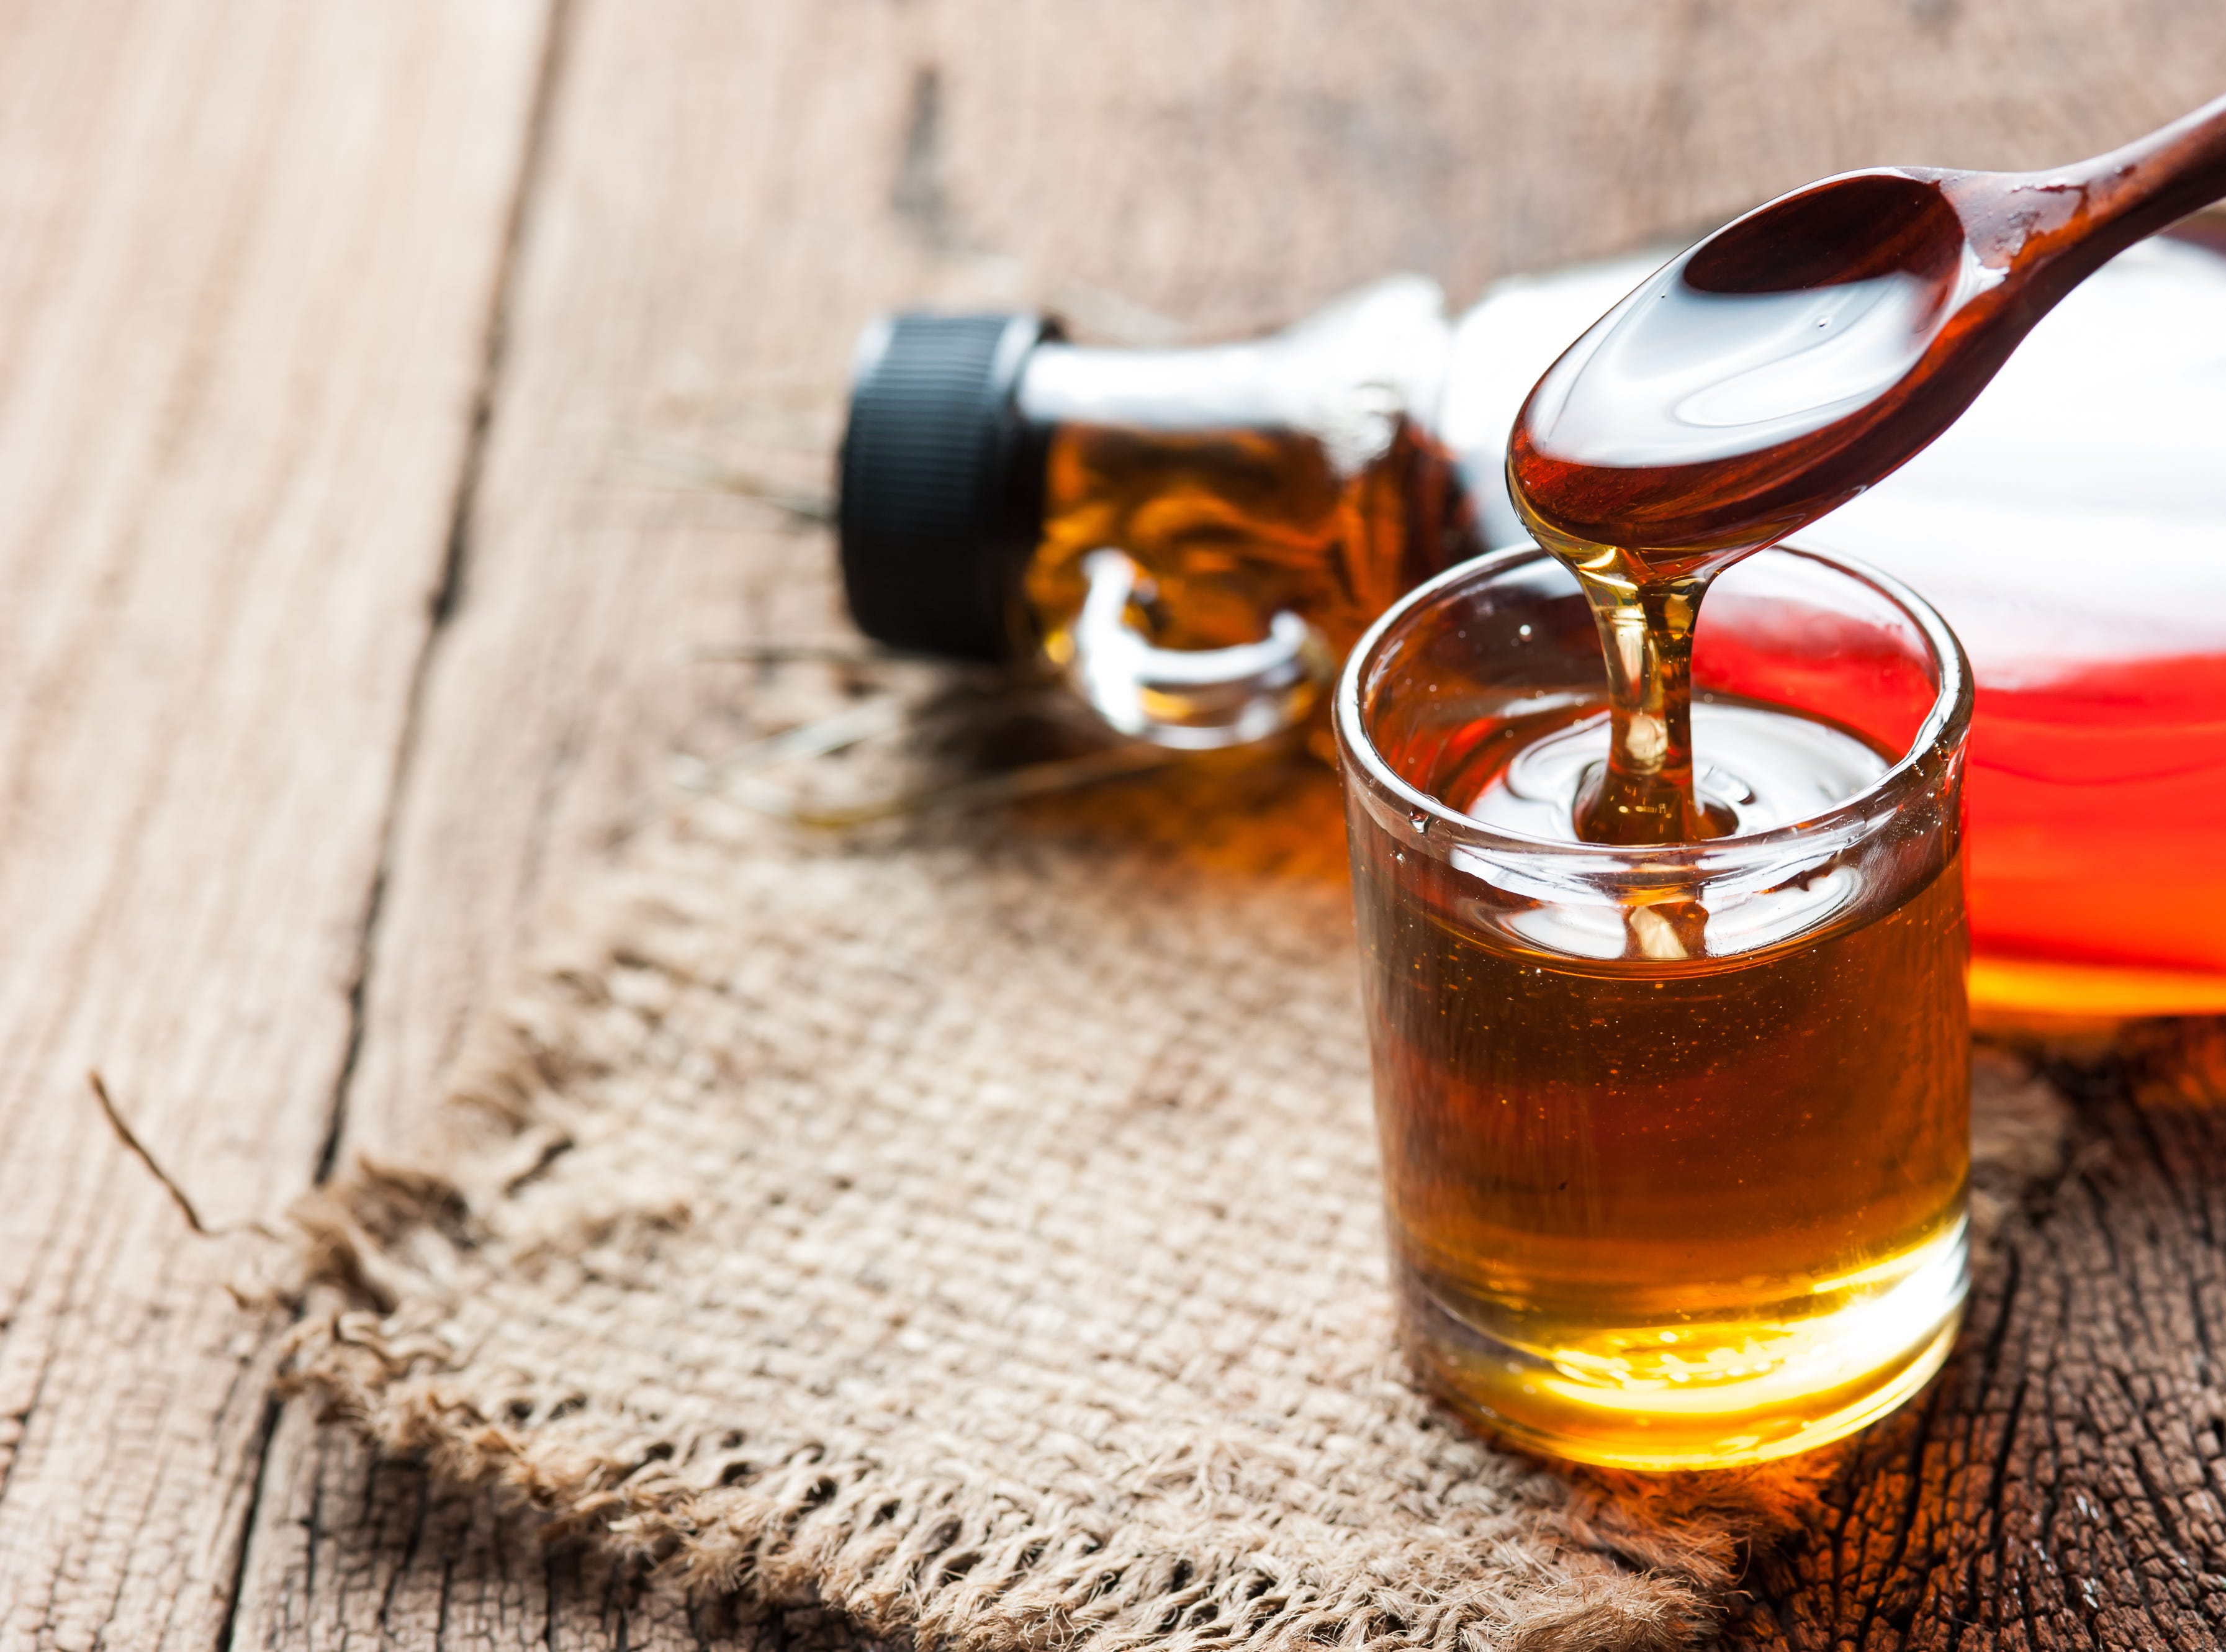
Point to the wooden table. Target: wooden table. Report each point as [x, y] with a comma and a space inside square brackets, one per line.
[382, 387]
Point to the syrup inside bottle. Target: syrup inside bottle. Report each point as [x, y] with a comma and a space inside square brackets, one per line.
[1249, 486]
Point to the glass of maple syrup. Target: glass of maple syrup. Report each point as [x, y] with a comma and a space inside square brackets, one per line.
[1675, 1136]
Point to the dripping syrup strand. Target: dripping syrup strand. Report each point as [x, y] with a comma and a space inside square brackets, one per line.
[1645, 792]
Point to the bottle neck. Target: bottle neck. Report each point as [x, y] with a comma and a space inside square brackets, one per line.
[1345, 376]
[1222, 387]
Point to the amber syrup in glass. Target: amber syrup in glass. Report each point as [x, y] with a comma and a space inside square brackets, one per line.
[1659, 1207]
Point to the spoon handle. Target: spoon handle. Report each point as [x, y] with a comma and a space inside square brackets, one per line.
[2049, 231]
[2154, 181]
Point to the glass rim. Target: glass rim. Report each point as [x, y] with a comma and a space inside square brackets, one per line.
[1945, 721]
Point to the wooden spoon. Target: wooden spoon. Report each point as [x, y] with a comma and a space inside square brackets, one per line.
[1803, 352]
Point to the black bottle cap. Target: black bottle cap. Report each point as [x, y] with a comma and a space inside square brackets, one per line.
[942, 483]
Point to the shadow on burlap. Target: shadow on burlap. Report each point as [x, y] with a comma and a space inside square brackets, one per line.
[975, 1226]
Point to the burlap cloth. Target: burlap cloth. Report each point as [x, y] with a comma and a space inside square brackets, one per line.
[976, 1226]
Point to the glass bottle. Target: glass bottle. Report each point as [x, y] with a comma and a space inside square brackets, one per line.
[2068, 526]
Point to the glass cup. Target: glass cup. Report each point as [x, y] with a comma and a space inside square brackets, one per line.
[1675, 1139]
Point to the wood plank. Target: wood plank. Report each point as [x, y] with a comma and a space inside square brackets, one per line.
[243, 299]
[728, 191]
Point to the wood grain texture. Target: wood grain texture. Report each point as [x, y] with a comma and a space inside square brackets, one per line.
[249, 254]
[710, 222]
[243, 326]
